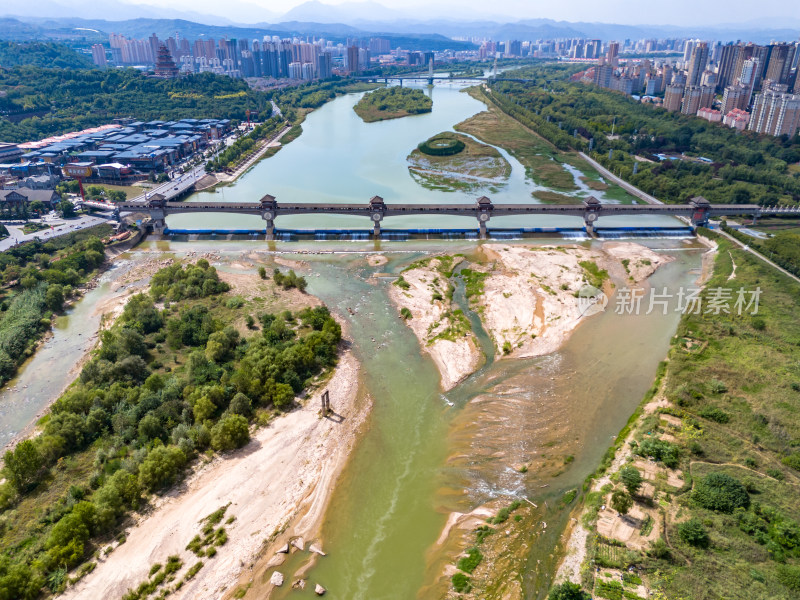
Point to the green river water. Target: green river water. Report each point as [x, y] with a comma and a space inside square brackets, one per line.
[424, 453]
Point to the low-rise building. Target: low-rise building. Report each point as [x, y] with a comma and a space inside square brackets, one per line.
[15, 199]
[737, 118]
[710, 114]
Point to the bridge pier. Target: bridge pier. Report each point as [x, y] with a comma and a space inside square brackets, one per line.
[700, 210]
[378, 208]
[159, 225]
[269, 212]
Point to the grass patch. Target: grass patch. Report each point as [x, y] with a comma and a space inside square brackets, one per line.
[471, 561]
[475, 167]
[541, 160]
[595, 276]
[550, 197]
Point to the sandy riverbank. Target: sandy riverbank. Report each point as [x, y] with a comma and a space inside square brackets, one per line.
[576, 535]
[529, 303]
[286, 471]
[441, 331]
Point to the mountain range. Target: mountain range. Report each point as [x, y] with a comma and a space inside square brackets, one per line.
[245, 19]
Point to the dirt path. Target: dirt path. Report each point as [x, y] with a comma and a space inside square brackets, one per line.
[288, 469]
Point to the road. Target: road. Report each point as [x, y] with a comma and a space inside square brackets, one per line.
[621, 182]
[16, 236]
[175, 186]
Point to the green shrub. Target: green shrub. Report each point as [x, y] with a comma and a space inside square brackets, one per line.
[693, 533]
[470, 562]
[461, 583]
[713, 413]
[720, 492]
[402, 283]
[789, 575]
[659, 450]
[232, 431]
[567, 591]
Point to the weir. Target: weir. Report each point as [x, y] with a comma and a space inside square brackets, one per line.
[697, 212]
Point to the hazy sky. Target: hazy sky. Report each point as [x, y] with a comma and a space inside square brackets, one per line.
[774, 13]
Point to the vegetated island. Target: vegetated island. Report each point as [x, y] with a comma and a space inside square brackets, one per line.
[188, 373]
[392, 103]
[525, 297]
[454, 162]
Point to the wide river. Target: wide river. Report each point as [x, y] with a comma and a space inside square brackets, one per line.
[408, 472]
[341, 159]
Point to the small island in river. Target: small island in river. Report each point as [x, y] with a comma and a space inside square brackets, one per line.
[392, 103]
[452, 162]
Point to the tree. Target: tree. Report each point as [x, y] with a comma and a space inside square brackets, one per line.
[161, 466]
[567, 591]
[631, 479]
[621, 501]
[262, 272]
[150, 428]
[231, 432]
[22, 464]
[203, 409]
[720, 492]
[38, 206]
[54, 297]
[693, 533]
[67, 209]
[240, 405]
[284, 395]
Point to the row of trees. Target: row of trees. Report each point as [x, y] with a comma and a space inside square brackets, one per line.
[145, 422]
[42, 276]
[244, 146]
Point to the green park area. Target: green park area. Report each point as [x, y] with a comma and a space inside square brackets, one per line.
[392, 103]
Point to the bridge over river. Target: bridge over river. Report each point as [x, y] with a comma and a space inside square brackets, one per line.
[697, 211]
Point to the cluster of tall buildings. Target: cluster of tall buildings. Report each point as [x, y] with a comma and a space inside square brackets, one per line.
[271, 57]
[746, 86]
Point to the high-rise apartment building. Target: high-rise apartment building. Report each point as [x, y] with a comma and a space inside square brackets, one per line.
[726, 66]
[379, 46]
[735, 96]
[696, 97]
[775, 113]
[697, 64]
[351, 59]
[779, 64]
[99, 55]
[612, 56]
[324, 65]
[672, 97]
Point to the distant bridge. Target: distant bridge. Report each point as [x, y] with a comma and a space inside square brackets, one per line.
[697, 211]
[432, 78]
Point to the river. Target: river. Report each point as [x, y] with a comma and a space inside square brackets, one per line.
[340, 159]
[424, 453]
